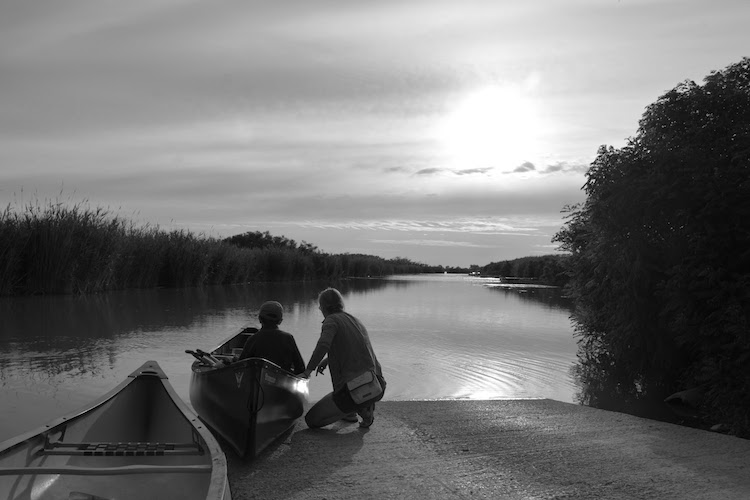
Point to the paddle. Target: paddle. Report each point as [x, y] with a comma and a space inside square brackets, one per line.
[195, 354]
[203, 359]
[208, 355]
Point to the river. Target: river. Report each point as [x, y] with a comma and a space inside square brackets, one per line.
[437, 337]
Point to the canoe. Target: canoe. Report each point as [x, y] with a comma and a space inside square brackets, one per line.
[138, 441]
[249, 403]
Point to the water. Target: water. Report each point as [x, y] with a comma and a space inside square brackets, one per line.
[437, 336]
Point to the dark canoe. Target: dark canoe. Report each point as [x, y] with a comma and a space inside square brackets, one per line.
[249, 403]
[139, 441]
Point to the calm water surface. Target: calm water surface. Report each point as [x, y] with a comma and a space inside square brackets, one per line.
[437, 336]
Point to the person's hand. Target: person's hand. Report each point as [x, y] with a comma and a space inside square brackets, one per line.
[321, 367]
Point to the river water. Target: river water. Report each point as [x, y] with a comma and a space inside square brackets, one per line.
[437, 337]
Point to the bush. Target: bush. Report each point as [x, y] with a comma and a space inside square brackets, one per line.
[660, 253]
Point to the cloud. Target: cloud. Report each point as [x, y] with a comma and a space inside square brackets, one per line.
[429, 171]
[560, 166]
[470, 171]
[525, 167]
[395, 169]
[430, 243]
[566, 167]
[461, 172]
[92, 67]
[480, 225]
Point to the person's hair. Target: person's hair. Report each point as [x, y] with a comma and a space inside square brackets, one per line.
[268, 321]
[330, 301]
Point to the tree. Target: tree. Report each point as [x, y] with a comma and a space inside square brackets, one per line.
[256, 239]
[660, 253]
[548, 269]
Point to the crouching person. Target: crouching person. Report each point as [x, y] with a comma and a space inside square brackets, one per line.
[356, 374]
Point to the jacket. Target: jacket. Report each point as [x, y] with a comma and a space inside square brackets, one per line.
[347, 344]
[277, 346]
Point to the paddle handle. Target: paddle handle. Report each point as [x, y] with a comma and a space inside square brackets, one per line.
[208, 355]
[210, 361]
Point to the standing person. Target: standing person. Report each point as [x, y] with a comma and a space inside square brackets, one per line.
[344, 339]
[274, 344]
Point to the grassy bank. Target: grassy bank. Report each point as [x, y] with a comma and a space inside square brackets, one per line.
[61, 248]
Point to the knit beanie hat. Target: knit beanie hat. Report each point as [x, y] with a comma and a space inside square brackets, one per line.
[271, 311]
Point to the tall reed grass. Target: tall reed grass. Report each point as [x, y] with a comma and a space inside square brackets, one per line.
[72, 248]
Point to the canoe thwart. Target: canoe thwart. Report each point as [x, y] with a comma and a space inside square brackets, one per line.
[135, 449]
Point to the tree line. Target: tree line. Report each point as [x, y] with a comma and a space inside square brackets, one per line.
[62, 248]
[546, 269]
[660, 255]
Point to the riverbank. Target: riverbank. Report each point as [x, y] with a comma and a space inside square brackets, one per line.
[517, 449]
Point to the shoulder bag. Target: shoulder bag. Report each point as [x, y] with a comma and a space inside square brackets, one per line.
[364, 387]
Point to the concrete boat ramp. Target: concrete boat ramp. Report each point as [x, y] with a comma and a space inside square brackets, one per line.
[516, 449]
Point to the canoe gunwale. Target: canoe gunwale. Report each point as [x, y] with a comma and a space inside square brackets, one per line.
[218, 486]
[201, 369]
[148, 369]
[106, 471]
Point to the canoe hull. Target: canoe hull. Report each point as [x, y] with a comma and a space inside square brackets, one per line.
[139, 441]
[249, 403]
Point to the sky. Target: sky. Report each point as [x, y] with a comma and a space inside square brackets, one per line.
[446, 132]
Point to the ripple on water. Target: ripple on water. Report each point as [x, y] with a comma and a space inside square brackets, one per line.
[436, 370]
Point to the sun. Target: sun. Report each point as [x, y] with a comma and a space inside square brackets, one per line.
[494, 126]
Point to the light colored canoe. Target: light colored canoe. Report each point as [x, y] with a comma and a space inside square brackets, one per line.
[139, 441]
[249, 403]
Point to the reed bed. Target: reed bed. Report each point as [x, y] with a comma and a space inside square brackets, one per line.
[72, 248]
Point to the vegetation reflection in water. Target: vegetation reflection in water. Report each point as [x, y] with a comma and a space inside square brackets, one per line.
[439, 336]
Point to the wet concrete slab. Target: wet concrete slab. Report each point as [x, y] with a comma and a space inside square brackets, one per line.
[516, 449]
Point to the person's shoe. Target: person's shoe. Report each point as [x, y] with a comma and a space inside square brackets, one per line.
[368, 416]
[352, 417]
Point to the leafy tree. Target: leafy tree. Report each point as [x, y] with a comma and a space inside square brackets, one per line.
[660, 254]
[548, 269]
[256, 239]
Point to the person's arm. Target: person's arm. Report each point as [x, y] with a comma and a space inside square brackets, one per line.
[327, 333]
[298, 364]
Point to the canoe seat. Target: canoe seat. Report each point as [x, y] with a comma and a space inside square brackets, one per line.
[128, 449]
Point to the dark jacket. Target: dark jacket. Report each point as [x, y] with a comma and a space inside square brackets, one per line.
[277, 346]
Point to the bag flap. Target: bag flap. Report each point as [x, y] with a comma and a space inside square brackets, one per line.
[363, 379]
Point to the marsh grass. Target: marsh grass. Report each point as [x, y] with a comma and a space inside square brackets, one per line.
[56, 247]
